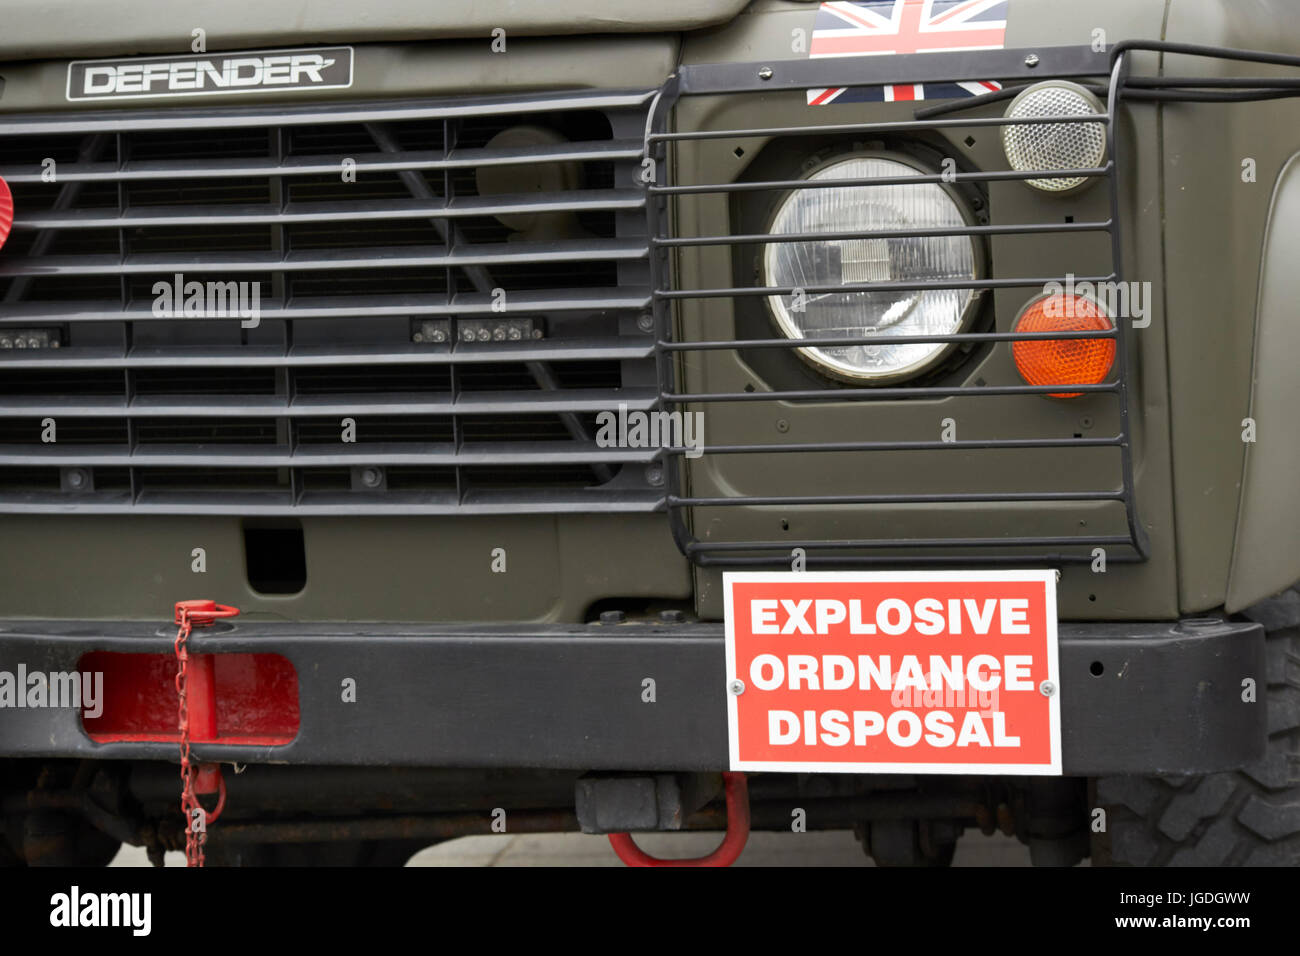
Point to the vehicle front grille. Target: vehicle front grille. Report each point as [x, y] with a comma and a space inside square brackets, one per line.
[379, 267]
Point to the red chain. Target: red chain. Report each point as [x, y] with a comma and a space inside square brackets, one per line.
[189, 801]
[188, 615]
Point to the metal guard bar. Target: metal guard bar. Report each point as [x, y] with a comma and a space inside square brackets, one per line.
[1050, 63]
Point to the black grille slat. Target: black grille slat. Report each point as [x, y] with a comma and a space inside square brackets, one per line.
[529, 302]
[317, 165]
[431, 257]
[243, 450]
[160, 212]
[392, 403]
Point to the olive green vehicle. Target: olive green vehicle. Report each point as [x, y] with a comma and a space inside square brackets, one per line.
[324, 313]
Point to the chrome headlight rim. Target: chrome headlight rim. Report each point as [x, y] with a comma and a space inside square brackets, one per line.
[812, 355]
[1044, 185]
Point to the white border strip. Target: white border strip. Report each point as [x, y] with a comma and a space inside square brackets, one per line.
[1046, 577]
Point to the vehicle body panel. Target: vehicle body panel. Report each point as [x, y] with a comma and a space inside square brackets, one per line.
[72, 28]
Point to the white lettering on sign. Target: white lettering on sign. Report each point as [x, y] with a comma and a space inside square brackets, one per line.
[928, 616]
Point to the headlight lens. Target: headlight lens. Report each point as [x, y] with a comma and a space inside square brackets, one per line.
[833, 262]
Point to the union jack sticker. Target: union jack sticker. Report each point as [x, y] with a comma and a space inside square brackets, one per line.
[889, 27]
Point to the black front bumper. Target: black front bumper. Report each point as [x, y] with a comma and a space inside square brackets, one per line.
[1168, 698]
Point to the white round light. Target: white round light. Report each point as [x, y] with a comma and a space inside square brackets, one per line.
[834, 262]
[1046, 146]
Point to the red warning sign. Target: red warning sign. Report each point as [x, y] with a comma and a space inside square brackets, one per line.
[893, 672]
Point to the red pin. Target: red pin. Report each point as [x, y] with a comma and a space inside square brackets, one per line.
[6, 211]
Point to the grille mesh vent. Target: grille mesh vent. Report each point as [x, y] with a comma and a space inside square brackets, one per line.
[204, 413]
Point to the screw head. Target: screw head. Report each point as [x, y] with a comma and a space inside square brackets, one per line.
[765, 73]
[645, 323]
[1031, 61]
[736, 686]
[417, 337]
[76, 478]
[672, 616]
[1047, 688]
[371, 478]
[654, 474]
[612, 617]
[782, 425]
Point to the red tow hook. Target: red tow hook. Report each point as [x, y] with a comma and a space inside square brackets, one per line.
[202, 613]
[196, 690]
[737, 791]
[202, 703]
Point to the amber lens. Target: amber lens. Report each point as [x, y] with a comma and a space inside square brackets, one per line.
[1064, 361]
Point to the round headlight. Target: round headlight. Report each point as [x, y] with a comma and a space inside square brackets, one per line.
[832, 262]
[1046, 146]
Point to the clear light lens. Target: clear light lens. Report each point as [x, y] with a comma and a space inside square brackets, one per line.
[834, 262]
[1046, 146]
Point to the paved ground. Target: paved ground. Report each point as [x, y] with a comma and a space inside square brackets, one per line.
[833, 848]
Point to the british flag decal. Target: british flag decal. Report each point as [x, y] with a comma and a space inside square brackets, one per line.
[886, 27]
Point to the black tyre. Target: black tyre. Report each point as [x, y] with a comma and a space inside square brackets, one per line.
[1249, 817]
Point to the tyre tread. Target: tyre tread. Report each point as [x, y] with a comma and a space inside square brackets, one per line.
[1245, 817]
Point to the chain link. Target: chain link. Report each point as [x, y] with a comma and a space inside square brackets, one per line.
[191, 614]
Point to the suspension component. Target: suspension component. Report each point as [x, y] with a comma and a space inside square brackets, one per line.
[737, 794]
